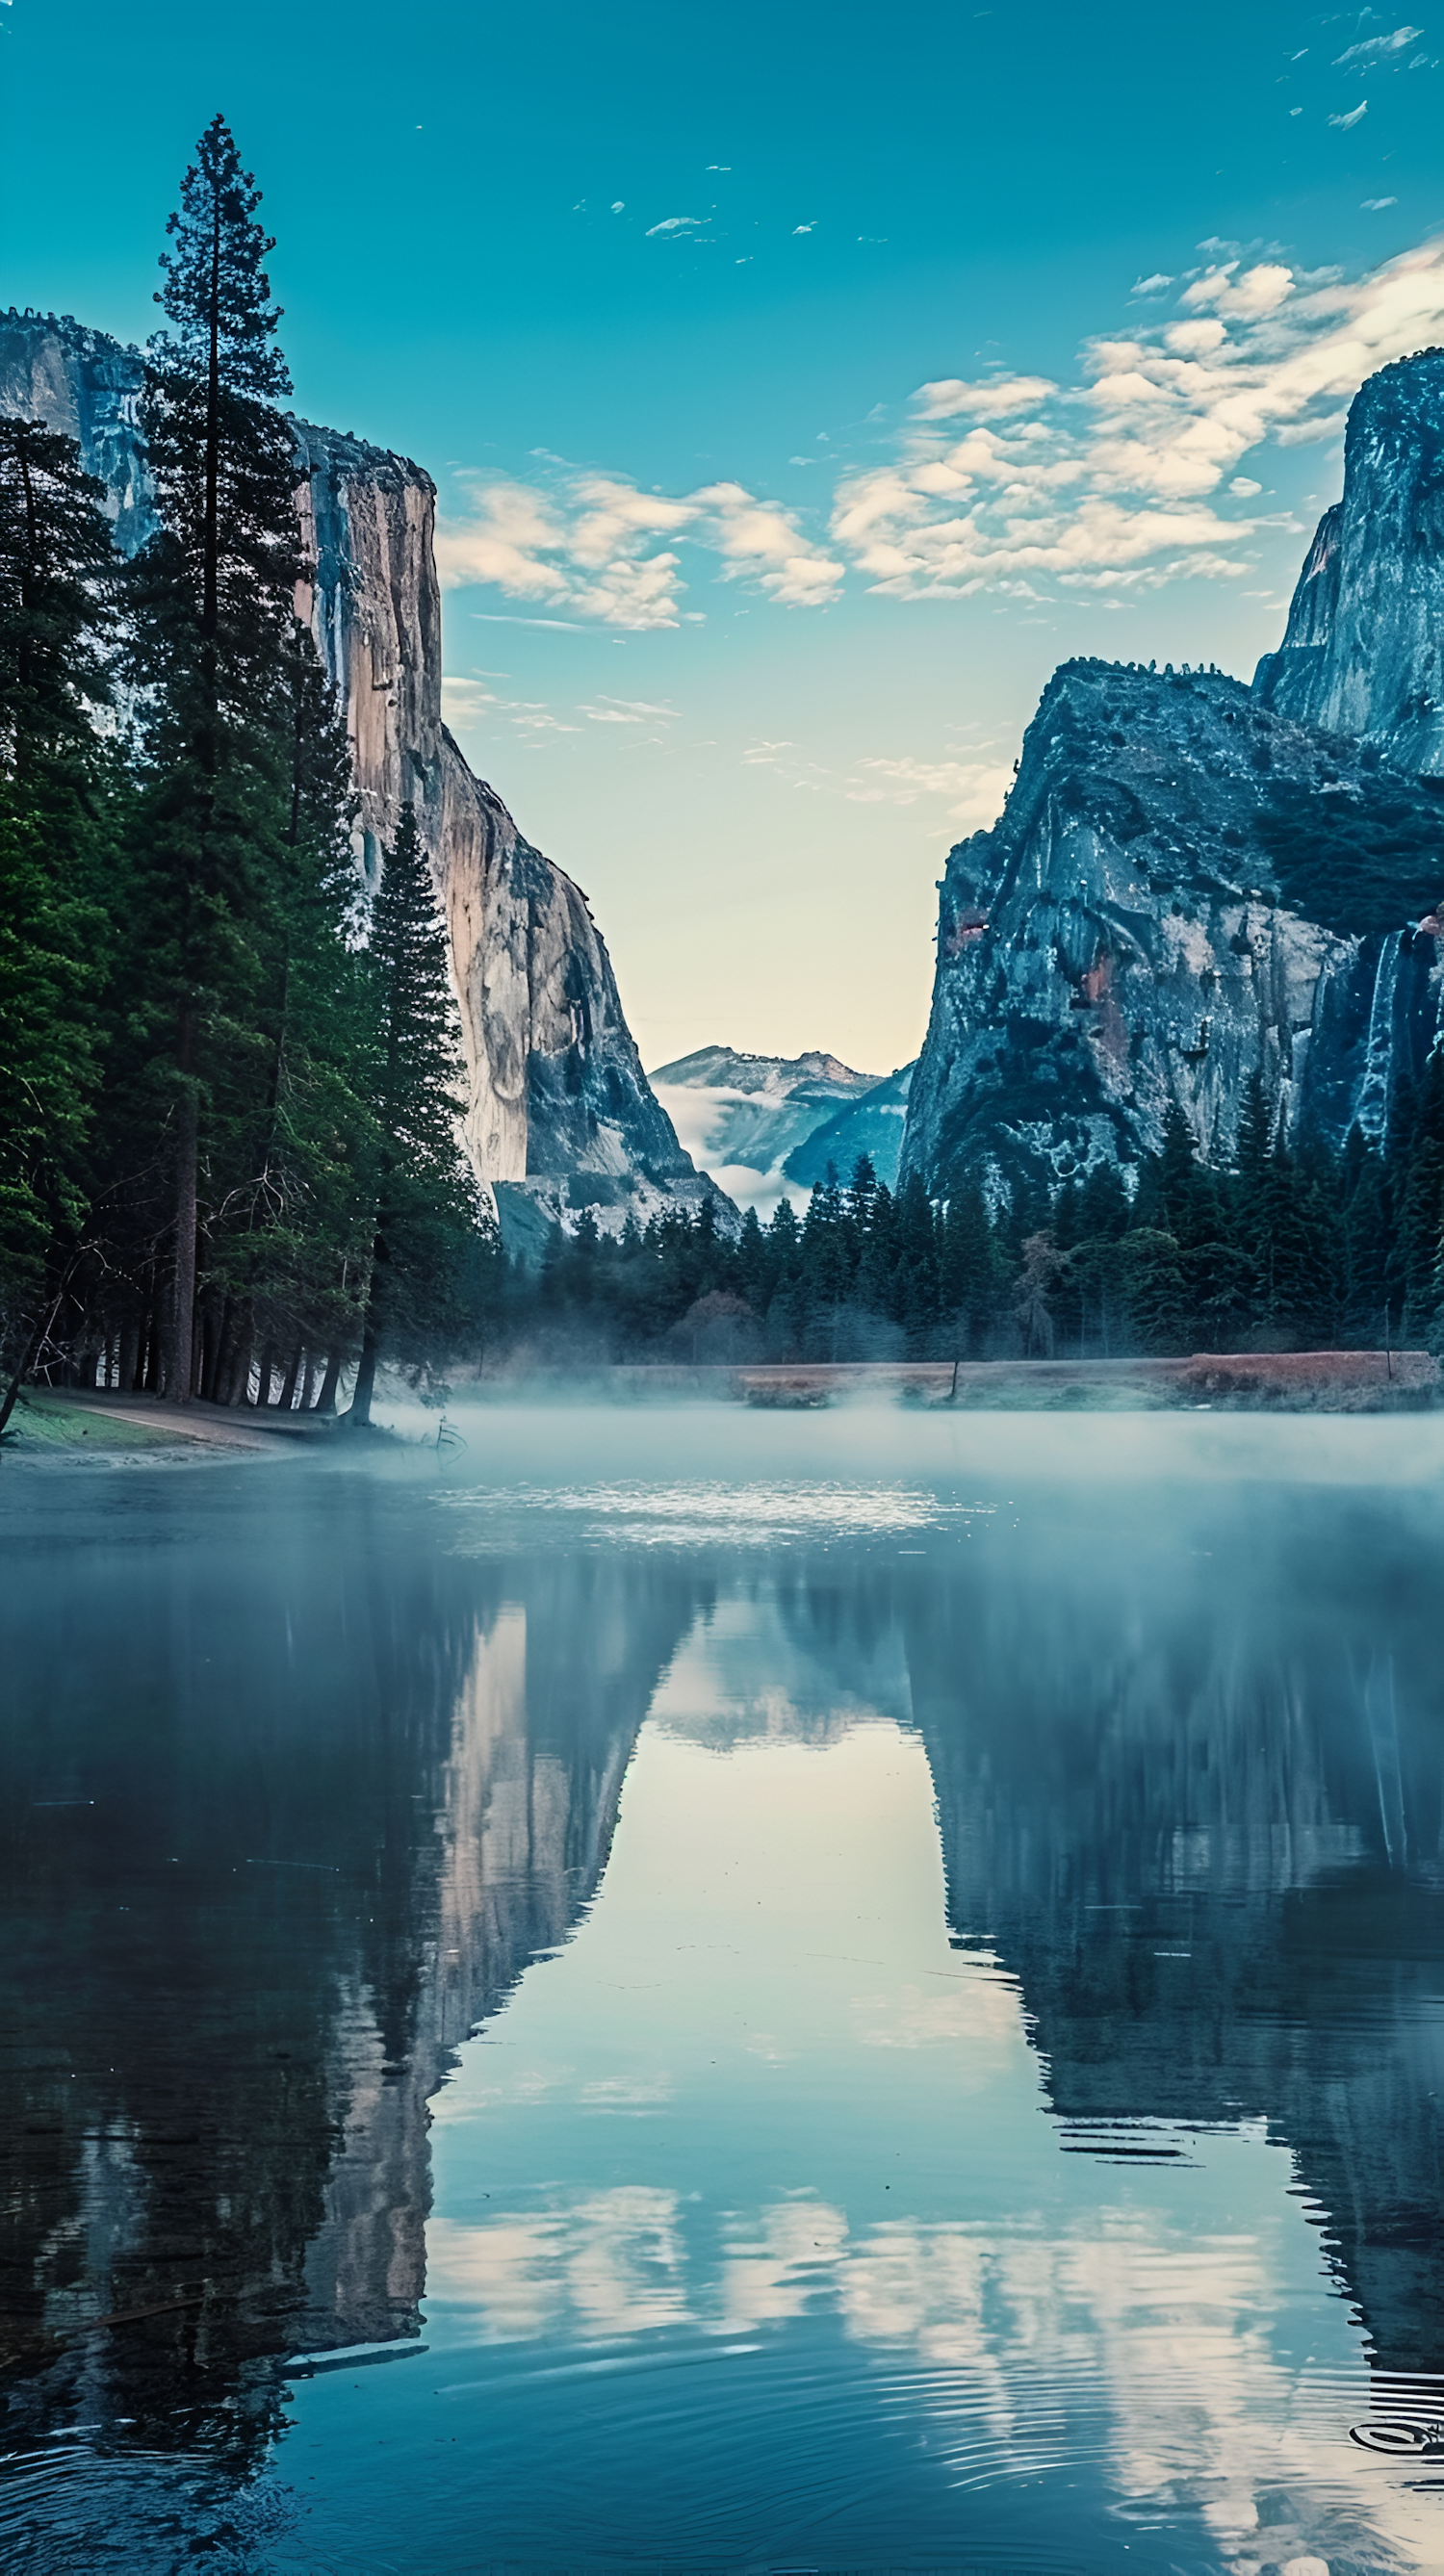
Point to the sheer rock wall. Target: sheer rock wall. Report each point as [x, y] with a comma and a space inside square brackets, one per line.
[1122, 936]
[1118, 941]
[559, 1112]
[1363, 652]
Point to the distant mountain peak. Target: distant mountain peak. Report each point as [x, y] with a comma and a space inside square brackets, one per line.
[742, 1115]
[733, 1068]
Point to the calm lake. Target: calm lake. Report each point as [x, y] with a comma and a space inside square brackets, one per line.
[704, 1990]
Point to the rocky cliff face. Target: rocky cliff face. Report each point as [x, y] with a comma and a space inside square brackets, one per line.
[1193, 882]
[559, 1114]
[1363, 652]
[1132, 932]
[872, 1124]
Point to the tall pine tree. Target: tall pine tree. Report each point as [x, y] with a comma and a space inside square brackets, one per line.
[212, 599]
[424, 1206]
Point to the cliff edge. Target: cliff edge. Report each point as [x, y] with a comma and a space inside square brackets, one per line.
[560, 1115]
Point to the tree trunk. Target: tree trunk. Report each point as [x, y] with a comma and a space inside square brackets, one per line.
[238, 1374]
[268, 1370]
[360, 1412]
[326, 1400]
[179, 1357]
[150, 1374]
[216, 1324]
[288, 1383]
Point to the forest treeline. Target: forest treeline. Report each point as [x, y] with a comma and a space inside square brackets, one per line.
[229, 1160]
[230, 1069]
[1283, 1250]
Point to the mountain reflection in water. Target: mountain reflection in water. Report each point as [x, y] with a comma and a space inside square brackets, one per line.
[1010, 2184]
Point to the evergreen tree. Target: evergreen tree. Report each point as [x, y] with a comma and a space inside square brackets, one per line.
[1373, 1282]
[862, 1197]
[1103, 1207]
[424, 1200]
[57, 584]
[1176, 1193]
[287, 1252]
[56, 801]
[968, 1269]
[917, 1275]
[211, 598]
[1421, 1210]
[752, 1264]
[1038, 1276]
[824, 1272]
[1155, 1291]
[1066, 1228]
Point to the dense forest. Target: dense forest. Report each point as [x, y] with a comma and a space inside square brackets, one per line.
[229, 1164]
[1282, 1251]
[230, 1070]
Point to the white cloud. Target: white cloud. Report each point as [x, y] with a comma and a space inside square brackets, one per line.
[1015, 484]
[1376, 205]
[1374, 48]
[1153, 285]
[530, 716]
[992, 401]
[756, 538]
[465, 702]
[1110, 483]
[1194, 339]
[1353, 116]
[676, 224]
[597, 545]
[506, 544]
[1242, 296]
[975, 789]
[625, 711]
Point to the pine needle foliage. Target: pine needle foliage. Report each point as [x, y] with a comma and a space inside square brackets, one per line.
[425, 1213]
[57, 797]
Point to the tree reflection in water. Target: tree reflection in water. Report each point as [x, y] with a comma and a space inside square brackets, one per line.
[295, 1784]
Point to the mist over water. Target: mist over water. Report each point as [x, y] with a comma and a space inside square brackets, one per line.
[728, 1991]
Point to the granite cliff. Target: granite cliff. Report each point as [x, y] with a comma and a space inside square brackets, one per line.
[559, 1112]
[1193, 881]
[1363, 652]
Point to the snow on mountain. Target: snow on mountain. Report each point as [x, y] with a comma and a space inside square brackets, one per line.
[742, 1116]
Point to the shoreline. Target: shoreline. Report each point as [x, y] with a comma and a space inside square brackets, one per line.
[53, 1422]
[1284, 1382]
[56, 1422]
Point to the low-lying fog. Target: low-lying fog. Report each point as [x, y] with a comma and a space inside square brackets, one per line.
[561, 1439]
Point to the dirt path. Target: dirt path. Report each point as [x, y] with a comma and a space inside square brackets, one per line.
[208, 1426]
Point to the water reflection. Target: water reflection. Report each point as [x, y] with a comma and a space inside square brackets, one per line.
[999, 2060]
[288, 1799]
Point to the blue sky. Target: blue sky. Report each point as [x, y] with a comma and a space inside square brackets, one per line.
[801, 385]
